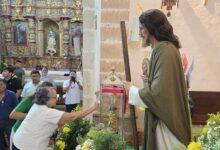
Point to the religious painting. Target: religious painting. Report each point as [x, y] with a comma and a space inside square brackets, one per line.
[20, 34]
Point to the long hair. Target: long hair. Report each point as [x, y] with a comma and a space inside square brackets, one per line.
[158, 26]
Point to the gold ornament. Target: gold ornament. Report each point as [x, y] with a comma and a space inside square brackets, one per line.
[113, 120]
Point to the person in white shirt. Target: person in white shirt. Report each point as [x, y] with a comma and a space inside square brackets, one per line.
[72, 89]
[42, 120]
[30, 87]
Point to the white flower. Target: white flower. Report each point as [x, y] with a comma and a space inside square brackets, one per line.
[78, 147]
[89, 142]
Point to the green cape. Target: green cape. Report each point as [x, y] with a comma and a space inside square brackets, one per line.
[166, 96]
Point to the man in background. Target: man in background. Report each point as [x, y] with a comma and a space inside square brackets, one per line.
[13, 83]
[8, 102]
[30, 87]
[72, 89]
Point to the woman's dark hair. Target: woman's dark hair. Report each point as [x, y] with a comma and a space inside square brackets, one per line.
[158, 26]
[42, 95]
[9, 69]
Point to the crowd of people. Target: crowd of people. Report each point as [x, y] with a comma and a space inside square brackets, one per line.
[28, 116]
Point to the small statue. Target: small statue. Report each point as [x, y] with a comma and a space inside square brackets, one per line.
[77, 40]
[51, 43]
[145, 70]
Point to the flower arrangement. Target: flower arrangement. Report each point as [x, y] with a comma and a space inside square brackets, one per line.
[209, 137]
[100, 139]
[71, 133]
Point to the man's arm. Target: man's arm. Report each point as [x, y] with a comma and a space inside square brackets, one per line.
[80, 86]
[18, 93]
[134, 97]
[66, 86]
[17, 115]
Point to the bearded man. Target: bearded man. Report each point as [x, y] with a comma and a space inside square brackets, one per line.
[164, 96]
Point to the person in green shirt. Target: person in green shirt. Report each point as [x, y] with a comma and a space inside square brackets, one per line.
[21, 110]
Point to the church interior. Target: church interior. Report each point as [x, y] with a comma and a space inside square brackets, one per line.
[88, 37]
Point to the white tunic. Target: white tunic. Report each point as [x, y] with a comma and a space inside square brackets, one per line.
[165, 139]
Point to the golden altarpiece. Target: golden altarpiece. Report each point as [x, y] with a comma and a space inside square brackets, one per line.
[41, 32]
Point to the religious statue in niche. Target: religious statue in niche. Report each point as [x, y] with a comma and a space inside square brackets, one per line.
[20, 34]
[77, 39]
[51, 42]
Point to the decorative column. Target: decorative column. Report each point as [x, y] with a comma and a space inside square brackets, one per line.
[32, 37]
[64, 38]
[40, 39]
[2, 39]
[8, 37]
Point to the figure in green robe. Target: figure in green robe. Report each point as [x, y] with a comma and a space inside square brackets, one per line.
[164, 96]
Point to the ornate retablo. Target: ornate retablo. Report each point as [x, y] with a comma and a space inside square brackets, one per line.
[50, 30]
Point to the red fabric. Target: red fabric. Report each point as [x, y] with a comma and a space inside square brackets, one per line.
[113, 91]
[184, 62]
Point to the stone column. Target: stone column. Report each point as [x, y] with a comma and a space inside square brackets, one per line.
[91, 49]
[40, 42]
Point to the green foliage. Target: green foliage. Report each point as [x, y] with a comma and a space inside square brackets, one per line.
[2, 66]
[73, 132]
[106, 139]
[214, 119]
[209, 137]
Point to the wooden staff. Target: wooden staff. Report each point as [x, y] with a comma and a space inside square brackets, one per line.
[128, 78]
